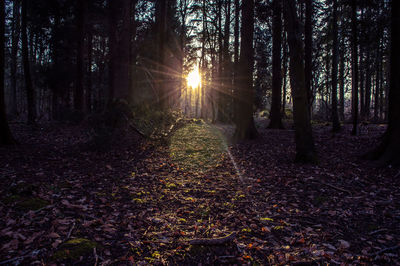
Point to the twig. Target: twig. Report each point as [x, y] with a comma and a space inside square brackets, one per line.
[213, 241]
[96, 256]
[377, 231]
[384, 250]
[70, 232]
[397, 175]
[337, 188]
[33, 253]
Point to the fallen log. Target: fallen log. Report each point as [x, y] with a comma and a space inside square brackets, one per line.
[213, 241]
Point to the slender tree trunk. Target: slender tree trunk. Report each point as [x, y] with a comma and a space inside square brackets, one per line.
[342, 80]
[368, 85]
[354, 67]
[27, 72]
[335, 55]
[275, 114]
[89, 92]
[285, 70]
[132, 48]
[161, 21]
[308, 51]
[227, 82]
[245, 127]
[5, 133]
[112, 65]
[80, 28]
[305, 151]
[220, 89]
[14, 56]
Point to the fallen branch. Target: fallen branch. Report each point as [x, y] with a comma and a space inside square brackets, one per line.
[377, 231]
[70, 232]
[213, 241]
[384, 250]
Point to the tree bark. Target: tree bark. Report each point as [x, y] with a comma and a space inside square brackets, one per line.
[275, 114]
[14, 56]
[335, 55]
[27, 72]
[389, 150]
[5, 133]
[112, 34]
[305, 151]
[80, 29]
[308, 51]
[354, 67]
[244, 120]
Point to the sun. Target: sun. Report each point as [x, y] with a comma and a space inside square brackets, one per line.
[194, 79]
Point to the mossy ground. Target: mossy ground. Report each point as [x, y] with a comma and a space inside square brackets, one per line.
[197, 146]
[74, 249]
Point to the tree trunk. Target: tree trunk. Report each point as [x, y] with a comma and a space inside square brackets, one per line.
[112, 34]
[80, 29]
[342, 80]
[161, 21]
[27, 72]
[305, 151]
[14, 56]
[354, 67]
[389, 150]
[245, 127]
[308, 51]
[132, 48]
[89, 92]
[275, 114]
[335, 55]
[5, 134]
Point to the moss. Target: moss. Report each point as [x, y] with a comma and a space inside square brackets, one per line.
[11, 199]
[74, 248]
[31, 204]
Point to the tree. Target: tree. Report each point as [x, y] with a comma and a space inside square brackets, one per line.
[5, 133]
[244, 120]
[388, 151]
[305, 151]
[14, 55]
[354, 67]
[80, 29]
[335, 59]
[308, 50]
[275, 114]
[30, 93]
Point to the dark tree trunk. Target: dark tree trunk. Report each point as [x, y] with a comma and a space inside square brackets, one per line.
[27, 72]
[308, 51]
[89, 93]
[275, 114]
[220, 89]
[368, 85]
[245, 127]
[335, 55]
[122, 91]
[389, 150]
[5, 134]
[342, 80]
[80, 29]
[227, 81]
[305, 151]
[161, 21]
[14, 56]
[354, 67]
[132, 48]
[285, 69]
[112, 34]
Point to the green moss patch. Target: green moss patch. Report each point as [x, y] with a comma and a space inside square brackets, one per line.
[31, 204]
[197, 146]
[75, 248]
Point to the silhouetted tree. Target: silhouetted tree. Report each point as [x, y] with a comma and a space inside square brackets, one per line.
[245, 127]
[335, 56]
[305, 151]
[5, 134]
[275, 114]
[354, 67]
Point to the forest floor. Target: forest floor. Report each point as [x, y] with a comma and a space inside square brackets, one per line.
[144, 203]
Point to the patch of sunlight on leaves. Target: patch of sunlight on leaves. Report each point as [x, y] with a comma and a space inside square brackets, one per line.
[279, 227]
[139, 201]
[74, 248]
[197, 147]
[267, 219]
[182, 220]
[246, 230]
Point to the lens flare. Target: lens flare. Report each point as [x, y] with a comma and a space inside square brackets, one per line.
[194, 79]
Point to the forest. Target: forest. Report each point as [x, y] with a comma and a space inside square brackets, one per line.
[199, 132]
